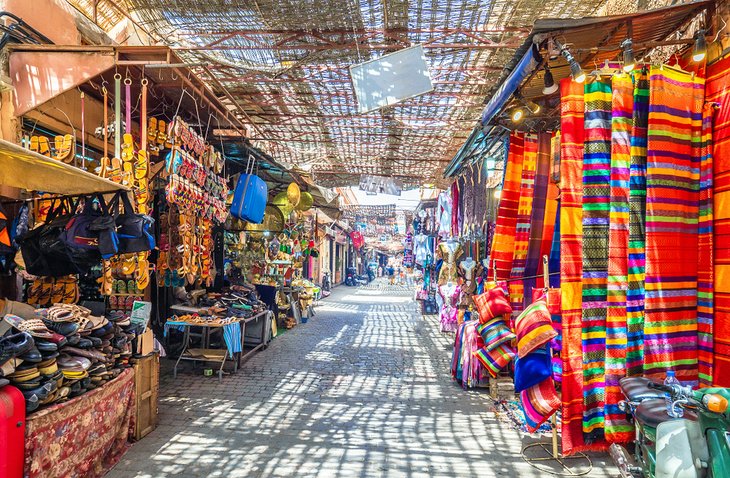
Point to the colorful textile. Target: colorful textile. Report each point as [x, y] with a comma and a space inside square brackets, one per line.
[534, 328]
[539, 403]
[533, 369]
[456, 370]
[637, 229]
[533, 262]
[85, 436]
[492, 303]
[596, 205]
[617, 428]
[522, 230]
[571, 262]
[495, 360]
[672, 198]
[705, 276]
[503, 242]
[718, 92]
[495, 334]
[232, 337]
[551, 209]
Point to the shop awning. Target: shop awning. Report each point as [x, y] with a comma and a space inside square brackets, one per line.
[530, 60]
[22, 168]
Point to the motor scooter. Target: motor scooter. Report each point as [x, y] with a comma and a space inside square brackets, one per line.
[696, 445]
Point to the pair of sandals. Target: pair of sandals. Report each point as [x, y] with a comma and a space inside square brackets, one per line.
[64, 147]
[158, 132]
[48, 290]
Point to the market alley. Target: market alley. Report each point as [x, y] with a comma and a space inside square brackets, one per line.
[362, 389]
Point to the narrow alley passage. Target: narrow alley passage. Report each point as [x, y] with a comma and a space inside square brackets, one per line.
[362, 389]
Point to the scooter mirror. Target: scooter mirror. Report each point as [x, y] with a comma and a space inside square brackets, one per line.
[715, 403]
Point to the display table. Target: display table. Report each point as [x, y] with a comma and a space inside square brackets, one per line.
[85, 436]
[219, 356]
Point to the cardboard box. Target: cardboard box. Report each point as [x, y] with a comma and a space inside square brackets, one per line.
[146, 342]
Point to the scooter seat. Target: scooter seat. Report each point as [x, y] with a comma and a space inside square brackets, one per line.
[653, 412]
[636, 389]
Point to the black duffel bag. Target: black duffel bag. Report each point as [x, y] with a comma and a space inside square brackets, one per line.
[134, 231]
[44, 251]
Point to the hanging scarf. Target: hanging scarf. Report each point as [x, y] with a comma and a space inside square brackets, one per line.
[672, 209]
[537, 220]
[596, 197]
[618, 429]
[571, 245]
[705, 276]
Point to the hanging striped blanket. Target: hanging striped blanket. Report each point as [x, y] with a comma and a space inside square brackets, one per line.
[672, 209]
[522, 230]
[718, 92]
[637, 232]
[571, 234]
[503, 241]
[596, 204]
[617, 428]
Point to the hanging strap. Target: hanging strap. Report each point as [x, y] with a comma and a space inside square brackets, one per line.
[117, 115]
[143, 118]
[106, 121]
[545, 273]
[128, 105]
[83, 134]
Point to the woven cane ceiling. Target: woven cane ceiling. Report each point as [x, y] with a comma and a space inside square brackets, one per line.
[285, 65]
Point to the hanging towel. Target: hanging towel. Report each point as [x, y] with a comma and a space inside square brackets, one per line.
[232, 337]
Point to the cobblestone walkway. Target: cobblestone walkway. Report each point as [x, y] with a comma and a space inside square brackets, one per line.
[361, 390]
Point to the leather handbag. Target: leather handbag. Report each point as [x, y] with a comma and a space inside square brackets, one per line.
[250, 196]
[134, 231]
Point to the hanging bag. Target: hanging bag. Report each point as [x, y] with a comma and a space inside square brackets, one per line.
[92, 230]
[249, 198]
[134, 231]
[44, 252]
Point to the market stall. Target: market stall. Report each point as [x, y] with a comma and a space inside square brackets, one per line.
[601, 262]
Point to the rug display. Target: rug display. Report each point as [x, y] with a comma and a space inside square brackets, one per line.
[718, 92]
[95, 449]
[596, 204]
[571, 247]
[672, 208]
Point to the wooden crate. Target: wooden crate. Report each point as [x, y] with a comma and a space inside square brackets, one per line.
[147, 382]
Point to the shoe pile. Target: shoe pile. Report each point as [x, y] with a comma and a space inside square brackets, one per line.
[240, 303]
[63, 352]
